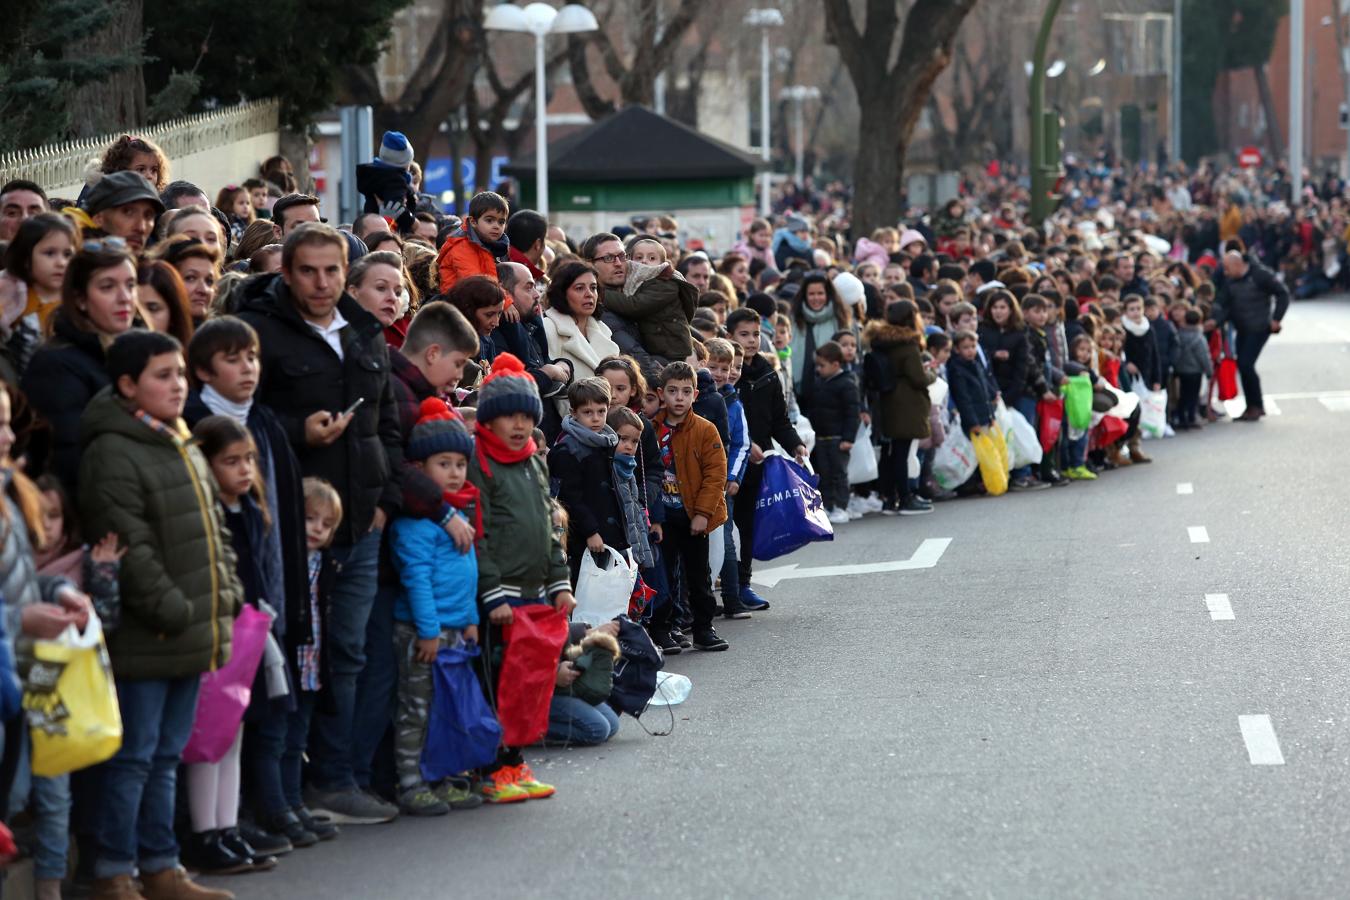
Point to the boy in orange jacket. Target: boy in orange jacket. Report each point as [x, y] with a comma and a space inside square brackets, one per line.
[693, 495]
[478, 244]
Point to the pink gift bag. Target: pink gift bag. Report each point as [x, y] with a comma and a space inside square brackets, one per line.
[225, 693]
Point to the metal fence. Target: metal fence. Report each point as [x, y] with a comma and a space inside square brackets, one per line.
[62, 164]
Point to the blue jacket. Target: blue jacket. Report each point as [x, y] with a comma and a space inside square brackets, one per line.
[439, 584]
[966, 381]
[738, 430]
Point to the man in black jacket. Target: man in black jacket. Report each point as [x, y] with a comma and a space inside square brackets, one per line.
[761, 393]
[325, 373]
[1244, 302]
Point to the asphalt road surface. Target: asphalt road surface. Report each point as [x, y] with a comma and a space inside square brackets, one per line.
[1079, 699]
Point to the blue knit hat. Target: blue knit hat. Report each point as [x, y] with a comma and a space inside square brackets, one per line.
[438, 430]
[508, 389]
[395, 149]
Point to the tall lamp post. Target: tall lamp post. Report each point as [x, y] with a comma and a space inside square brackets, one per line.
[799, 94]
[764, 19]
[1045, 169]
[540, 20]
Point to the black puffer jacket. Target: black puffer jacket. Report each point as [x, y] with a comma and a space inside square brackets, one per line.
[761, 393]
[63, 377]
[1245, 301]
[1010, 373]
[301, 375]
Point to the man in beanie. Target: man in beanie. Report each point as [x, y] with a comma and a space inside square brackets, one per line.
[520, 556]
[437, 603]
[386, 181]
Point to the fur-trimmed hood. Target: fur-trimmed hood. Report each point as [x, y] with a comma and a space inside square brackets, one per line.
[595, 640]
[879, 335]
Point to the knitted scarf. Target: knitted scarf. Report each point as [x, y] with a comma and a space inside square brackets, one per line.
[462, 499]
[634, 516]
[1138, 329]
[589, 440]
[487, 446]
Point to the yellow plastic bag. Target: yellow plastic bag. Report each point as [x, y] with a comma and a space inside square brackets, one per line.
[71, 702]
[992, 470]
[1001, 445]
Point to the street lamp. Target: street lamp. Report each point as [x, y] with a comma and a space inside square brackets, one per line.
[764, 19]
[540, 20]
[799, 94]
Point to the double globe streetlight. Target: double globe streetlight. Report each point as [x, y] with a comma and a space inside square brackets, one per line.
[540, 20]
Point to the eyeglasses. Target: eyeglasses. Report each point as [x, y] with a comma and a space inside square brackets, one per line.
[611, 258]
[105, 245]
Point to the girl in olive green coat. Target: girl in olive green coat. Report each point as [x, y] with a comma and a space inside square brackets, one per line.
[902, 404]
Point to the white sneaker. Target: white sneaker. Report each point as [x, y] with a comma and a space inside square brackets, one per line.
[872, 503]
[838, 516]
[856, 507]
[854, 514]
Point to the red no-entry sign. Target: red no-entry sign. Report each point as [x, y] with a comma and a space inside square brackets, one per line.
[1249, 157]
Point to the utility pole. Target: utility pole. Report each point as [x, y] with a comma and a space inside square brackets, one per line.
[1296, 64]
[1175, 127]
[1045, 152]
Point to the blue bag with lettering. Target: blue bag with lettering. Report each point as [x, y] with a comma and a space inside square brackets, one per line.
[462, 733]
[789, 512]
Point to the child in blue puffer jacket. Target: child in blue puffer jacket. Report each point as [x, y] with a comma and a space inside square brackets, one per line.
[438, 603]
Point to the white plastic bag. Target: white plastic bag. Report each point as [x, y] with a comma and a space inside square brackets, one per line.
[1024, 447]
[602, 594]
[862, 459]
[717, 550]
[914, 468]
[954, 462]
[805, 432]
[1152, 411]
[672, 689]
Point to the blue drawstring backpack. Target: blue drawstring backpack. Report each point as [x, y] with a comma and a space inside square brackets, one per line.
[635, 672]
[462, 733]
[789, 512]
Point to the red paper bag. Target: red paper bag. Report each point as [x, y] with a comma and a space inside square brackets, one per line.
[1049, 421]
[1109, 430]
[1226, 377]
[534, 642]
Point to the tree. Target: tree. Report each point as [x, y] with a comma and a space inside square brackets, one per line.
[44, 61]
[651, 55]
[295, 50]
[973, 94]
[891, 94]
[1225, 35]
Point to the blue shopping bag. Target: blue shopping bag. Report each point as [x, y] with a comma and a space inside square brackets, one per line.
[789, 512]
[462, 733]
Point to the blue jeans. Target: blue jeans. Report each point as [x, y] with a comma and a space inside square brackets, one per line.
[572, 720]
[331, 748]
[51, 814]
[1075, 452]
[135, 817]
[377, 687]
[1248, 346]
[264, 746]
[297, 742]
[1026, 405]
[731, 586]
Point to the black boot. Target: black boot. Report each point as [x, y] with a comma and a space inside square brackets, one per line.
[289, 826]
[261, 862]
[208, 854]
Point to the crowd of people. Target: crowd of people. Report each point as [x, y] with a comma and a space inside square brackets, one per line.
[408, 433]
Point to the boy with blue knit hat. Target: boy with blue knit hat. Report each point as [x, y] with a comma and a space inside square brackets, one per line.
[520, 556]
[437, 605]
[386, 181]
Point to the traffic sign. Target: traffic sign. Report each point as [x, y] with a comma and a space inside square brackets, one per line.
[1249, 157]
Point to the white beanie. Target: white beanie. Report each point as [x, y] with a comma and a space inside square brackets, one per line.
[850, 289]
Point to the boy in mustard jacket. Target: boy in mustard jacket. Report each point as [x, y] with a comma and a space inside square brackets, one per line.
[695, 478]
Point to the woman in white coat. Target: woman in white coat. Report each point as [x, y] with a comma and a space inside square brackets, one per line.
[572, 324]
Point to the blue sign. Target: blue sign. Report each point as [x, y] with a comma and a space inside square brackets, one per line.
[436, 174]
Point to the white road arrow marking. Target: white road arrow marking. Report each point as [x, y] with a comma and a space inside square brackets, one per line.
[926, 557]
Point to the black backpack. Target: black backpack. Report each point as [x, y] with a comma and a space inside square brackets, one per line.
[635, 672]
[878, 373]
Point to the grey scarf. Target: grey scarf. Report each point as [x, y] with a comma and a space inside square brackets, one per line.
[625, 485]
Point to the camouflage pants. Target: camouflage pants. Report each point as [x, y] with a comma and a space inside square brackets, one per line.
[414, 702]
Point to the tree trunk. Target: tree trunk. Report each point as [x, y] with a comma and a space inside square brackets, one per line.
[1268, 106]
[295, 145]
[115, 102]
[878, 174]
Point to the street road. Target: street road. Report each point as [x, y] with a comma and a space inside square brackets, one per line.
[1079, 699]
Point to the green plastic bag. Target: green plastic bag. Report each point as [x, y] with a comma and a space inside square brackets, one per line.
[1078, 402]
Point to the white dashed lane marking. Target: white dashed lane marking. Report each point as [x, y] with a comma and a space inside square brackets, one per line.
[1185, 487]
[1220, 610]
[1263, 747]
[1198, 533]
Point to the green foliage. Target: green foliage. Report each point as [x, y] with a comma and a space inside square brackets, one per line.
[291, 49]
[1218, 36]
[40, 68]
